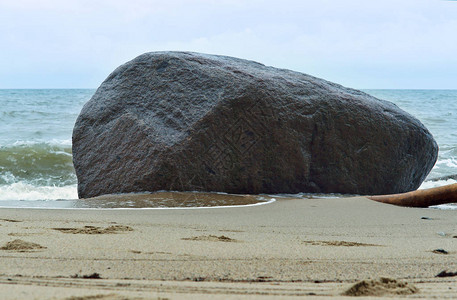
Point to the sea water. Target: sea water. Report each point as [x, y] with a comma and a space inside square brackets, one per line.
[35, 143]
[36, 127]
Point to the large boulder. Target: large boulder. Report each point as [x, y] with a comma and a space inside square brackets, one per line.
[188, 121]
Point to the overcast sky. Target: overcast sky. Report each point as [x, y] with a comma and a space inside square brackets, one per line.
[357, 43]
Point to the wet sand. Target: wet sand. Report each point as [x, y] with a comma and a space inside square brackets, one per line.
[307, 247]
[170, 200]
[147, 200]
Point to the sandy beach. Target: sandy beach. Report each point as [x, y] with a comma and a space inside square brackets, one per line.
[290, 248]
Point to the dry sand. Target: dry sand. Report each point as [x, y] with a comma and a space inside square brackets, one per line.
[317, 248]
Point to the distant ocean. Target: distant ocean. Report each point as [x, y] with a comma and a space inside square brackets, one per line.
[36, 127]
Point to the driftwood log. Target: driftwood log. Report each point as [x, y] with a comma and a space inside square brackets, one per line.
[421, 198]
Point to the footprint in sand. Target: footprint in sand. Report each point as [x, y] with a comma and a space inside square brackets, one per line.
[95, 230]
[339, 243]
[230, 230]
[10, 220]
[110, 297]
[380, 287]
[22, 246]
[211, 238]
[102, 297]
[19, 234]
[150, 252]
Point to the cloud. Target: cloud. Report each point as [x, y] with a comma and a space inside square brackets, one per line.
[332, 39]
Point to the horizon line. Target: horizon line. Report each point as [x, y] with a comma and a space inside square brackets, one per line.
[94, 88]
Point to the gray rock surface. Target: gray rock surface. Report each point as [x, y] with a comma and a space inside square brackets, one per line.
[189, 121]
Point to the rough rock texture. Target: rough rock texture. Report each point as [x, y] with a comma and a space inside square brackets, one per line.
[189, 121]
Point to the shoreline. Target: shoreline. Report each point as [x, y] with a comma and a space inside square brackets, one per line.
[143, 208]
[161, 200]
[148, 200]
[310, 246]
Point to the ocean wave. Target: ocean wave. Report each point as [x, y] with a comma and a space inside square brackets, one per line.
[40, 164]
[26, 191]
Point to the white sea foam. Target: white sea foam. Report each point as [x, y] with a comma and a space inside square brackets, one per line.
[450, 162]
[25, 191]
[449, 206]
[60, 142]
[52, 142]
[7, 178]
[436, 183]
